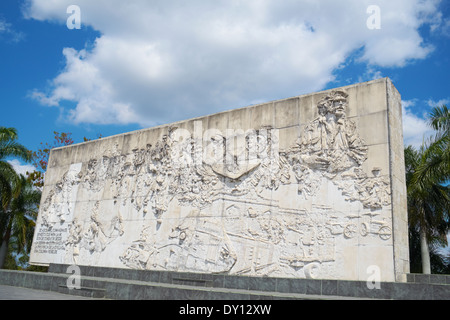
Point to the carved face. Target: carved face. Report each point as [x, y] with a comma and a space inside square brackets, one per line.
[339, 107]
[322, 106]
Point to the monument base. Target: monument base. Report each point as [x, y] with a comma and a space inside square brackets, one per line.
[127, 284]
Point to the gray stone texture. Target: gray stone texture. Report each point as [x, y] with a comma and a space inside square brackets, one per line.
[111, 283]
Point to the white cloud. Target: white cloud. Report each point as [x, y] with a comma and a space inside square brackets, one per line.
[21, 168]
[415, 128]
[446, 27]
[11, 34]
[3, 26]
[431, 103]
[160, 61]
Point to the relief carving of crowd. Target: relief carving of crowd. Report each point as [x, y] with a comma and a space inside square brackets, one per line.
[149, 179]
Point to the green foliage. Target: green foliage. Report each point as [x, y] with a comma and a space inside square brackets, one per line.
[17, 222]
[9, 180]
[19, 201]
[439, 119]
[427, 176]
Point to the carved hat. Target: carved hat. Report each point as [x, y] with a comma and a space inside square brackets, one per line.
[339, 96]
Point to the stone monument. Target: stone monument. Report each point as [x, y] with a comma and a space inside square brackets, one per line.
[307, 187]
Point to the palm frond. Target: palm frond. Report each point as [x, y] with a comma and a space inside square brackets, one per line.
[439, 118]
[8, 134]
[14, 149]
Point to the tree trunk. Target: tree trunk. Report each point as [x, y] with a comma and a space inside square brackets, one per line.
[426, 265]
[4, 247]
[3, 250]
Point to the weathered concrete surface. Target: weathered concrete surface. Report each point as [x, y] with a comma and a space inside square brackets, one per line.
[128, 284]
[16, 293]
[307, 187]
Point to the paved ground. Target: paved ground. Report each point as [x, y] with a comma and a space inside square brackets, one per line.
[15, 293]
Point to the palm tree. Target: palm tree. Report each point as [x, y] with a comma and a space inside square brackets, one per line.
[427, 172]
[437, 168]
[9, 147]
[440, 118]
[18, 220]
[17, 197]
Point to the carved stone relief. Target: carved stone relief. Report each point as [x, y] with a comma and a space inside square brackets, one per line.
[246, 208]
[58, 206]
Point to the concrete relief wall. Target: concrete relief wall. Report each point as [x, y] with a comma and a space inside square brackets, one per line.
[299, 188]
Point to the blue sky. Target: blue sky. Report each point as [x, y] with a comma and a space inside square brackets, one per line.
[136, 64]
